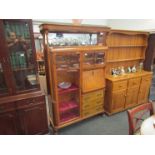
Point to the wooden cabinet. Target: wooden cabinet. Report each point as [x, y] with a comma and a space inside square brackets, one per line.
[8, 123]
[27, 115]
[19, 79]
[85, 95]
[33, 120]
[126, 91]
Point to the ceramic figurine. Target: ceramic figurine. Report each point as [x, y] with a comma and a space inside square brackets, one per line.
[122, 70]
[129, 70]
[133, 69]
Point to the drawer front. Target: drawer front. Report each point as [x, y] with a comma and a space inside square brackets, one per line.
[30, 102]
[93, 95]
[120, 85]
[146, 80]
[134, 82]
[7, 107]
[92, 111]
[92, 104]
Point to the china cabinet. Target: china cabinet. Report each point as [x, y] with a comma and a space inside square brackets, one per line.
[75, 70]
[19, 86]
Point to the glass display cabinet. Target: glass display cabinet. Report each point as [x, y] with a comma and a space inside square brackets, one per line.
[20, 95]
[75, 58]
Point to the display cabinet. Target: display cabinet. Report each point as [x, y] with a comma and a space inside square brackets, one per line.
[75, 58]
[18, 67]
[77, 91]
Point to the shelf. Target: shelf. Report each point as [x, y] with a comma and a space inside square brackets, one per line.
[121, 60]
[67, 106]
[70, 118]
[22, 69]
[67, 69]
[71, 89]
[93, 66]
[113, 46]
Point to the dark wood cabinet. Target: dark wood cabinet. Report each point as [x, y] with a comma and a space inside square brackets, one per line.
[8, 123]
[22, 104]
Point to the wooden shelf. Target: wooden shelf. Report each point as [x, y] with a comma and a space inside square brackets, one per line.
[121, 60]
[71, 89]
[113, 46]
[67, 69]
[22, 69]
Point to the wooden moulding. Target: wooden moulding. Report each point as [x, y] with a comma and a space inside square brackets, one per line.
[128, 32]
[80, 48]
[68, 28]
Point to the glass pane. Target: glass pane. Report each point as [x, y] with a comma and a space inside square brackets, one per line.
[68, 62]
[21, 56]
[3, 87]
[100, 58]
[89, 59]
[71, 39]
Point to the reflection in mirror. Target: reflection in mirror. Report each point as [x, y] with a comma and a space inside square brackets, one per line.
[3, 87]
[21, 56]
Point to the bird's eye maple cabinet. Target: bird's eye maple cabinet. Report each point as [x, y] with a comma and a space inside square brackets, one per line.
[22, 104]
[81, 65]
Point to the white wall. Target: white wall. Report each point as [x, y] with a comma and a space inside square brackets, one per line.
[37, 22]
[132, 24]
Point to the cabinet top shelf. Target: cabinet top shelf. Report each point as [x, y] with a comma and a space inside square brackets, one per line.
[79, 48]
[113, 46]
[69, 28]
[127, 76]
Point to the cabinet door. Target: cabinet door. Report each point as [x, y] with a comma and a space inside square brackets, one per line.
[93, 80]
[3, 84]
[8, 123]
[132, 97]
[143, 94]
[118, 100]
[20, 54]
[34, 120]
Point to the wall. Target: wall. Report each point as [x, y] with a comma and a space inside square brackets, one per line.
[132, 24]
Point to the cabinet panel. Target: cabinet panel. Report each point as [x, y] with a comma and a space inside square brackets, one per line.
[135, 82]
[118, 100]
[93, 80]
[132, 97]
[3, 85]
[8, 123]
[20, 55]
[33, 120]
[120, 85]
[143, 93]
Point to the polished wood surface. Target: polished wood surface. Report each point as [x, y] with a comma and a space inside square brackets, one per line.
[126, 91]
[21, 111]
[126, 48]
[90, 80]
[148, 126]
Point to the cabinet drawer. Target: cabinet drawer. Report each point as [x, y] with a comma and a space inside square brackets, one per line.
[30, 101]
[146, 79]
[134, 82]
[7, 107]
[93, 95]
[92, 104]
[120, 85]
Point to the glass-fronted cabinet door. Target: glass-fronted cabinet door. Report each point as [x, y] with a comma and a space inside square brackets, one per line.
[21, 54]
[3, 85]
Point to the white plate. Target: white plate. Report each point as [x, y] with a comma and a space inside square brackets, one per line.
[64, 85]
